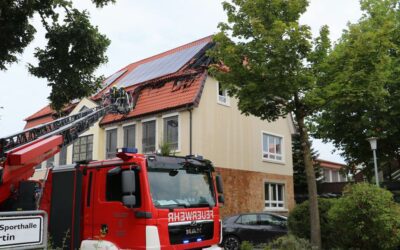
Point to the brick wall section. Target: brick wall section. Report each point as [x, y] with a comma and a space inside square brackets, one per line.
[244, 190]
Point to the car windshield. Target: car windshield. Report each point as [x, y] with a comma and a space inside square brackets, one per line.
[172, 188]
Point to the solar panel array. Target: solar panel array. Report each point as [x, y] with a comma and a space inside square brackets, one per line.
[159, 67]
[113, 77]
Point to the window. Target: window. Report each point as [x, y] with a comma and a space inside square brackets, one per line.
[84, 108]
[63, 156]
[50, 162]
[223, 97]
[271, 220]
[111, 143]
[114, 188]
[247, 219]
[327, 175]
[335, 176]
[149, 136]
[272, 147]
[129, 136]
[171, 126]
[83, 148]
[274, 195]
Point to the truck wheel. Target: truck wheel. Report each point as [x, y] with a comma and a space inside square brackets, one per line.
[231, 243]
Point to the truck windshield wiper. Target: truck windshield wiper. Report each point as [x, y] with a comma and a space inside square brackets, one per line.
[173, 206]
[203, 204]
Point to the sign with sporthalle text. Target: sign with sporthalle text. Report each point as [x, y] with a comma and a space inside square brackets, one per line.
[21, 231]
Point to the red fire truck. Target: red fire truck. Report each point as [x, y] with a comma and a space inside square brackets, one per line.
[133, 201]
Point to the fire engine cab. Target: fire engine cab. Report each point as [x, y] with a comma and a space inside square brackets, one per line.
[133, 201]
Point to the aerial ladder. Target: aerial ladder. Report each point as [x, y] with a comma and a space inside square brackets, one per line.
[21, 152]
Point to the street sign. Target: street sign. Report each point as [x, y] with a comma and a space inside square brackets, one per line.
[23, 230]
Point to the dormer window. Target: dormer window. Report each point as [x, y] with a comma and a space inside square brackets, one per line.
[223, 97]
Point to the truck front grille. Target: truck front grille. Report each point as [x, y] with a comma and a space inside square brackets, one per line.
[191, 231]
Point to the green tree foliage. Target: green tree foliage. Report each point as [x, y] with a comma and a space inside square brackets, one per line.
[363, 74]
[366, 217]
[273, 66]
[74, 50]
[299, 172]
[299, 219]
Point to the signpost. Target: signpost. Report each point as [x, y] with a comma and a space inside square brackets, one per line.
[23, 230]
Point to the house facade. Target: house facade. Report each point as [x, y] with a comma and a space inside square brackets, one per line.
[179, 104]
[332, 171]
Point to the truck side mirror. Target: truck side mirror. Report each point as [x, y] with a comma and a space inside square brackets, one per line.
[128, 182]
[128, 188]
[129, 200]
[218, 180]
[221, 199]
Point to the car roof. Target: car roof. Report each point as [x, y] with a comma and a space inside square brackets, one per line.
[257, 213]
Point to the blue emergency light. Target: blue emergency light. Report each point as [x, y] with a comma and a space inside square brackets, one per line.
[128, 150]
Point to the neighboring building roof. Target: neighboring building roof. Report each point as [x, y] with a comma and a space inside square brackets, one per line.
[330, 164]
[35, 122]
[45, 115]
[43, 112]
[169, 80]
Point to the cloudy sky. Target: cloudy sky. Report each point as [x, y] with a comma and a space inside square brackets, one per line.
[139, 29]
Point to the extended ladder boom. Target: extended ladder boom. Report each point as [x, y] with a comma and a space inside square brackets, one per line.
[21, 152]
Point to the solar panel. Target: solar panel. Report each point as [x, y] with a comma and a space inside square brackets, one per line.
[159, 67]
[113, 77]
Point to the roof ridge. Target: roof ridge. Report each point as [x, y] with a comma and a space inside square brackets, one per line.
[33, 116]
[186, 45]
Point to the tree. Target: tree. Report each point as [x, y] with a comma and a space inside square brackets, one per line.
[299, 174]
[299, 216]
[363, 72]
[366, 217]
[74, 50]
[271, 64]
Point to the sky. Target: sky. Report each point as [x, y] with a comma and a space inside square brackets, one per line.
[139, 29]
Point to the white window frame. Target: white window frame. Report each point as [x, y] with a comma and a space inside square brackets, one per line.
[227, 98]
[136, 130]
[282, 155]
[141, 132]
[72, 156]
[179, 129]
[270, 201]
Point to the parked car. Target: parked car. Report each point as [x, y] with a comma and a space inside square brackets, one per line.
[256, 228]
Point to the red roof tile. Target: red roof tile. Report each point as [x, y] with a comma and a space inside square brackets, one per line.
[38, 121]
[167, 97]
[43, 112]
[330, 164]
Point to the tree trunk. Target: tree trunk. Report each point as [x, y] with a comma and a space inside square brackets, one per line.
[311, 183]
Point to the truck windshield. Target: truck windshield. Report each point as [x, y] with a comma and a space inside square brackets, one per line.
[173, 188]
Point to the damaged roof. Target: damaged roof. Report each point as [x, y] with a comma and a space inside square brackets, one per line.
[169, 80]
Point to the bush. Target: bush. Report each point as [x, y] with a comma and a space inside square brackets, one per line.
[299, 220]
[289, 242]
[366, 217]
[246, 246]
